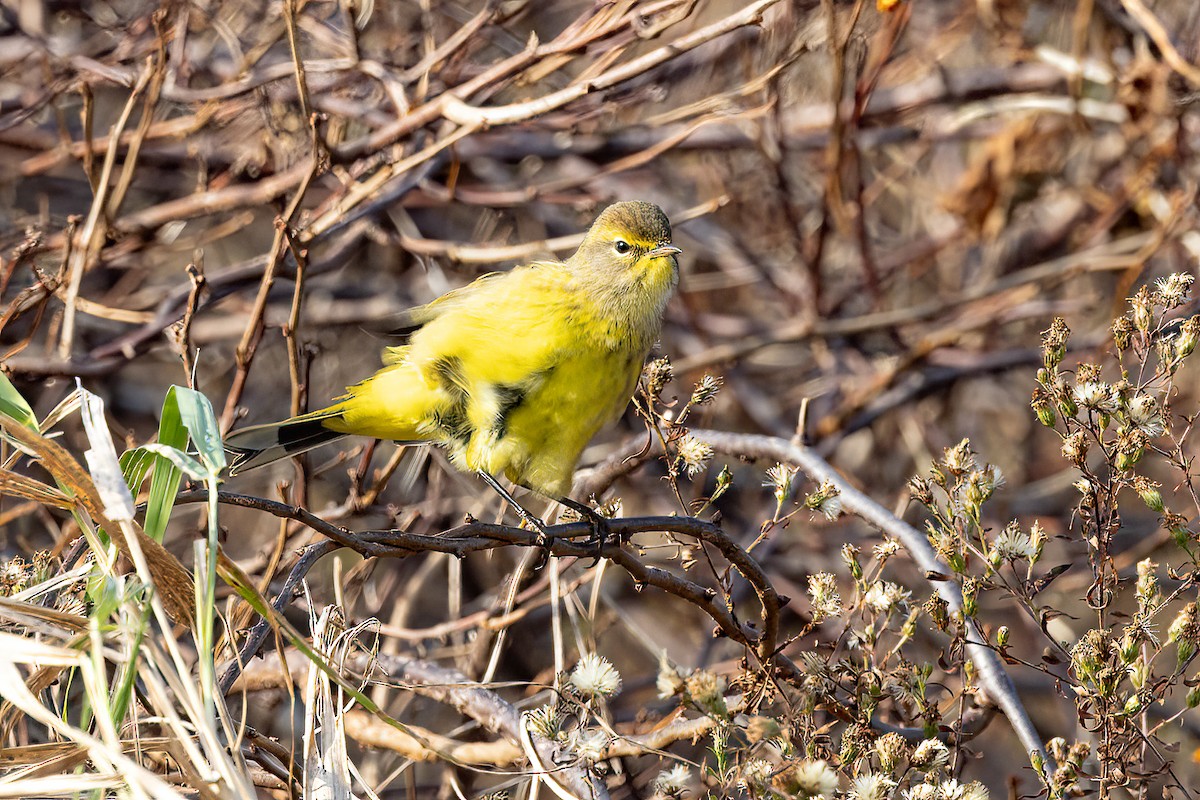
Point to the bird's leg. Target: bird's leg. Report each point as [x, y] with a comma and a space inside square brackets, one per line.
[600, 526]
[529, 519]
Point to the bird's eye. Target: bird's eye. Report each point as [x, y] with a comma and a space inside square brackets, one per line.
[621, 246]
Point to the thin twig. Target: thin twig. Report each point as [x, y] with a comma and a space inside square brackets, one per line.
[992, 675]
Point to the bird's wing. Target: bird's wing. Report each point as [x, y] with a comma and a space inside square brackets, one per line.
[478, 355]
[500, 331]
[494, 304]
[411, 319]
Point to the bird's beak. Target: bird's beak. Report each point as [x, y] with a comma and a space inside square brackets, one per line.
[664, 250]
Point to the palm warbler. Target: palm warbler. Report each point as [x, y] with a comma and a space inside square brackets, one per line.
[514, 373]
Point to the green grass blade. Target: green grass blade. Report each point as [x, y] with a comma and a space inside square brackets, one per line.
[186, 414]
[196, 414]
[164, 480]
[14, 405]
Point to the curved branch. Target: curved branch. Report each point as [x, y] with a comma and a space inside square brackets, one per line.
[258, 634]
[569, 539]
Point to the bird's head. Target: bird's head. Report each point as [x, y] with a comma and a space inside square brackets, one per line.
[631, 243]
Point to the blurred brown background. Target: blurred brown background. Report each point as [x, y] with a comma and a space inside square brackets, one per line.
[884, 262]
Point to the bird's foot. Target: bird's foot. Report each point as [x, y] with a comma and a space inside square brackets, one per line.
[601, 529]
[544, 538]
[544, 541]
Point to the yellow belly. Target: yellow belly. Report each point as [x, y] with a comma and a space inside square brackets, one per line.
[538, 442]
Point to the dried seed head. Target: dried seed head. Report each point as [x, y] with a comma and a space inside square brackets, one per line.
[1042, 404]
[1054, 343]
[779, 480]
[1087, 372]
[1145, 415]
[1185, 632]
[856, 740]
[670, 681]
[939, 611]
[890, 749]
[884, 596]
[1185, 342]
[14, 576]
[591, 744]
[1075, 448]
[808, 779]
[959, 459]
[706, 389]
[595, 677]
[885, 550]
[1013, 544]
[544, 721]
[1172, 290]
[826, 500]
[1037, 537]
[1148, 490]
[921, 490]
[871, 786]
[1090, 653]
[970, 594]
[1147, 584]
[706, 689]
[823, 595]
[755, 775]
[658, 375]
[674, 781]
[1122, 331]
[931, 755]
[693, 454]
[921, 791]
[1095, 396]
[982, 484]
[1130, 447]
[1143, 310]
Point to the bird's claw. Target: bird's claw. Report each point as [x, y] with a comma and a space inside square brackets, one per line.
[542, 542]
[602, 532]
[601, 529]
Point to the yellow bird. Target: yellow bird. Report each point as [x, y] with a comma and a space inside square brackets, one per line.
[515, 373]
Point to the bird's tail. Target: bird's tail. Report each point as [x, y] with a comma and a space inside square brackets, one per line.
[259, 445]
